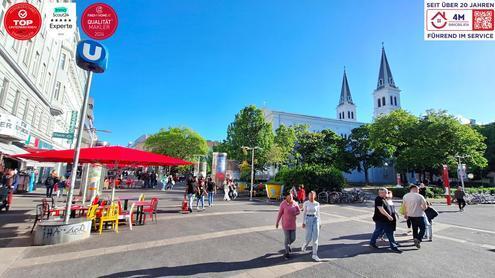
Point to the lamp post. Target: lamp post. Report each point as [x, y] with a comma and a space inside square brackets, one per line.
[252, 167]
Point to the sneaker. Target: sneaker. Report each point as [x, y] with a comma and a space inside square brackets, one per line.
[303, 248]
[287, 256]
[290, 249]
[316, 258]
[417, 243]
[374, 246]
[397, 250]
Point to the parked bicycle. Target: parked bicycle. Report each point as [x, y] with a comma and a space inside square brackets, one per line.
[355, 195]
[480, 198]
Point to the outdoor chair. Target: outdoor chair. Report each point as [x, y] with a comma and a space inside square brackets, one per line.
[127, 215]
[110, 214]
[151, 210]
[39, 215]
[91, 215]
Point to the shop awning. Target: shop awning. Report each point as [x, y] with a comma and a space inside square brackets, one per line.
[10, 149]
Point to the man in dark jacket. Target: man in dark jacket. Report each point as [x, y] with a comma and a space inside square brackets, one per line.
[50, 183]
[384, 221]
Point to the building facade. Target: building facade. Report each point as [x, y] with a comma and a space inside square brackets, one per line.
[41, 87]
[386, 98]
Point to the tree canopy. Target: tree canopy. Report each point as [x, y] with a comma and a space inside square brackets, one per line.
[181, 142]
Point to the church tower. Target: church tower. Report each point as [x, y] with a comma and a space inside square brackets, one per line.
[387, 95]
[346, 110]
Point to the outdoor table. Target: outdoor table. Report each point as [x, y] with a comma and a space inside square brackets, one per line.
[139, 211]
[126, 199]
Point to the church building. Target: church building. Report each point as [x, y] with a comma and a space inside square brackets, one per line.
[386, 98]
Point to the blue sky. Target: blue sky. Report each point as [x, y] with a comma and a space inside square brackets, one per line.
[196, 63]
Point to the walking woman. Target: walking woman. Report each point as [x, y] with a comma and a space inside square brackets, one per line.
[312, 224]
[211, 188]
[289, 209]
[200, 193]
[190, 188]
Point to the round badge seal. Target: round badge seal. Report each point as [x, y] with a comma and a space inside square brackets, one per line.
[22, 21]
[99, 21]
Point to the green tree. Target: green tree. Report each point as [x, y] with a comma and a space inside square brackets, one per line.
[489, 132]
[363, 155]
[181, 142]
[285, 140]
[320, 148]
[252, 130]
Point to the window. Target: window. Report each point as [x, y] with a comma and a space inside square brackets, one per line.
[352, 115]
[40, 119]
[42, 74]
[56, 93]
[379, 103]
[395, 101]
[62, 61]
[33, 120]
[15, 45]
[4, 90]
[36, 63]
[16, 102]
[391, 100]
[47, 87]
[348, 114]
[27, 52]
[26, 110]
[383, 101]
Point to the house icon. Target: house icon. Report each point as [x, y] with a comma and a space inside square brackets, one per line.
[439, 20]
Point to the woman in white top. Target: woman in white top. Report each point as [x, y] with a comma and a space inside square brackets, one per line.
[312, 224]
[226, 190]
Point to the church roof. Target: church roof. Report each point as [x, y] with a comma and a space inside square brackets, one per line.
[345, 92]
[385, 75]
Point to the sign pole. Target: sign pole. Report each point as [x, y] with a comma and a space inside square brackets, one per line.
[78, 148]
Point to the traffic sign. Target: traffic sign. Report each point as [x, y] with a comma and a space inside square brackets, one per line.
[91, 56]
[63, 135]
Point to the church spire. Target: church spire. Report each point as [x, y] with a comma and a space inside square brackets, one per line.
[345, 92]
[385, 78]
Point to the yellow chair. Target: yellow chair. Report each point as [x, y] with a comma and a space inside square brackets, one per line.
[141, 197]
[91, 215]
[110, 214]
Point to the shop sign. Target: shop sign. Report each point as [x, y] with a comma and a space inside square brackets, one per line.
[11, 126]
[22, 21]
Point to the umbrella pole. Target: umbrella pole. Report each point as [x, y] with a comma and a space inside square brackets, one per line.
[80, 131]
[117, 173]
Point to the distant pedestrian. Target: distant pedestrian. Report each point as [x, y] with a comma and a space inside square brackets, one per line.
[422, 190]
[200, 193]
[459, 196]
[301, 194]
[211, 189]
[288, 211]
[384, 221]
[226, 190]
[312, 224]
[190, 190]
[293, 192]
[50, 182]
[414, 207]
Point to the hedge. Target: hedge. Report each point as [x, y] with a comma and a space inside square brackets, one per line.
[313, 177]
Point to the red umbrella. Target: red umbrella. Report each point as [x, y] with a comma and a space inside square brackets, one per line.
[106, 155]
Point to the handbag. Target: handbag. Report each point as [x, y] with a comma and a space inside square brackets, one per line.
[431, 213]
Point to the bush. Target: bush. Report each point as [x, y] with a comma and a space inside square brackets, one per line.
[399, 192]
[313, 177]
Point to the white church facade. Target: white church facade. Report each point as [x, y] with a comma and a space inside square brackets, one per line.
[386, 98]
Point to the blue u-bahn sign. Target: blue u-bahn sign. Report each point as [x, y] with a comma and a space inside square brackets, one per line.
[92, 56]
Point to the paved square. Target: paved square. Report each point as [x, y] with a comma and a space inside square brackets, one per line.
[239, 239]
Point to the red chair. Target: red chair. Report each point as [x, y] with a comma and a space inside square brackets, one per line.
[151, 210]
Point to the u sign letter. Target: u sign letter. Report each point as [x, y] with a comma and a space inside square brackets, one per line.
[92, 56]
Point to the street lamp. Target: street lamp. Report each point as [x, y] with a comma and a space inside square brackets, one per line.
[460, 168]
[252, 167]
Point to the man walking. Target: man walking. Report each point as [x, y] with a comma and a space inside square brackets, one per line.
[384, 221]
[459, 195]
[414, 207]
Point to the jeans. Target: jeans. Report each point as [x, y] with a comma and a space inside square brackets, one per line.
[462, 203]
[190, 198]
[202, 199]
[384, 228]
[312, 232]
[290, 237]
[428, 228]
[49, 191]
[210, 198]
[418, 223]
